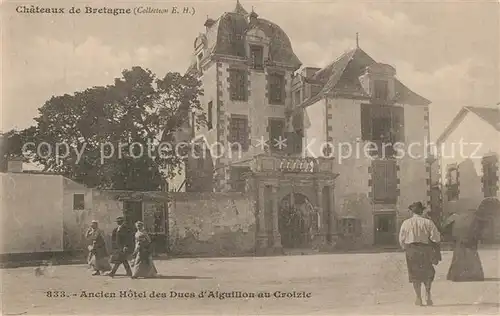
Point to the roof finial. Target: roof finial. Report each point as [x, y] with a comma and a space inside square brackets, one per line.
[253, 15]
[357, 40]
[239, 8]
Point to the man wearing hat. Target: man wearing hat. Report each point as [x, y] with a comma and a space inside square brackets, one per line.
[122, 245]
[417, 237]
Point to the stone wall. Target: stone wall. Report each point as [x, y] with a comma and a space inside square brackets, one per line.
[100, 206]
[32, 213]
[211, 224]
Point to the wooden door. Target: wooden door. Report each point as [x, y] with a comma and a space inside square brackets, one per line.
[385, 229]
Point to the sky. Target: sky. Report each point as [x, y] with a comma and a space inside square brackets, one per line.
[447, 51]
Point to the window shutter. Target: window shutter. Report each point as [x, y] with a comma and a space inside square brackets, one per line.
[366, 122]
[244, 85]
[282, 88]
[379, 183]
[398, 124]
[391, 181]
[232, 84]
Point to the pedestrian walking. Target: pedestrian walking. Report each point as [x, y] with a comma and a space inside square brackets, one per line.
[467, 230]
[98, 254]
[123, 245]
[416, 237]
[144, 266]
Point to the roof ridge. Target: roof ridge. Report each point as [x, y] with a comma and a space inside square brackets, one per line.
[481, 107]
[336, 60]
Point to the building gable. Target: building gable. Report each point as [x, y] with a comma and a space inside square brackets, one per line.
[490, 116]
[341, 78]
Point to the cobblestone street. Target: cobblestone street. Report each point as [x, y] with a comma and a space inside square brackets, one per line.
[338, 284]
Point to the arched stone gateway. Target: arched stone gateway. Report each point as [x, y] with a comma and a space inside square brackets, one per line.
[294, 202]
[298, 221]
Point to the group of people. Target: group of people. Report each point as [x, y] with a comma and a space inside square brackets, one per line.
[125, 246]
[420, 238]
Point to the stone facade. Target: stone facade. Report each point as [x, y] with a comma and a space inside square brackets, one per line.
[214, 224]
[338, 122]
[324, 108]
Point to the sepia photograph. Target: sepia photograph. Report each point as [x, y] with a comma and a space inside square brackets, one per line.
[250, 157]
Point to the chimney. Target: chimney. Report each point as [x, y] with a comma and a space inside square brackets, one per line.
[208, 23]
[15, 165]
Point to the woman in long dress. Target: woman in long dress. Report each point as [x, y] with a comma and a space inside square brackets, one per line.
[467, 230]
[98, 254]
[143, 257]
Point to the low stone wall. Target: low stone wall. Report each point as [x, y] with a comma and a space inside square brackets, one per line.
[211, 224]
[104, 209]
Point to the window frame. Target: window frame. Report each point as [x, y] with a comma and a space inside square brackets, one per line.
[210, 115]
[238, 84]
[272, 142]
[272, 88]
[78, 207]
[260, 65]
[372, 113]
[377, 95]
[240, 137]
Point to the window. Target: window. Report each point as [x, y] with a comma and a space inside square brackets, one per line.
[276, 134]
[238, 84]
[349, 226]
[490, 176]
[384, 181]
[236, 39]
[297, 97]
[78, 202]
[239, 132]
[381, 90]
[210, 115]
[276, 89]
[383, 126]
[452, 185]
[238, 178]
[257, 53]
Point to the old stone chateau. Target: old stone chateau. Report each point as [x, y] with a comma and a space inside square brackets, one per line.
[256, 86]
[309, 194]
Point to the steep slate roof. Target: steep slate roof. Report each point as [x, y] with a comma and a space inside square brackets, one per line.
[231, 28]
[239, 8]
[489, 115]
[341, 77]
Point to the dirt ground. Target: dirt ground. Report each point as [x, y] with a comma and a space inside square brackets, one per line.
[327, 284]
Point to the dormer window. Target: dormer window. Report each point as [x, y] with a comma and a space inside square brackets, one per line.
[381, 90]
[257, 55]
